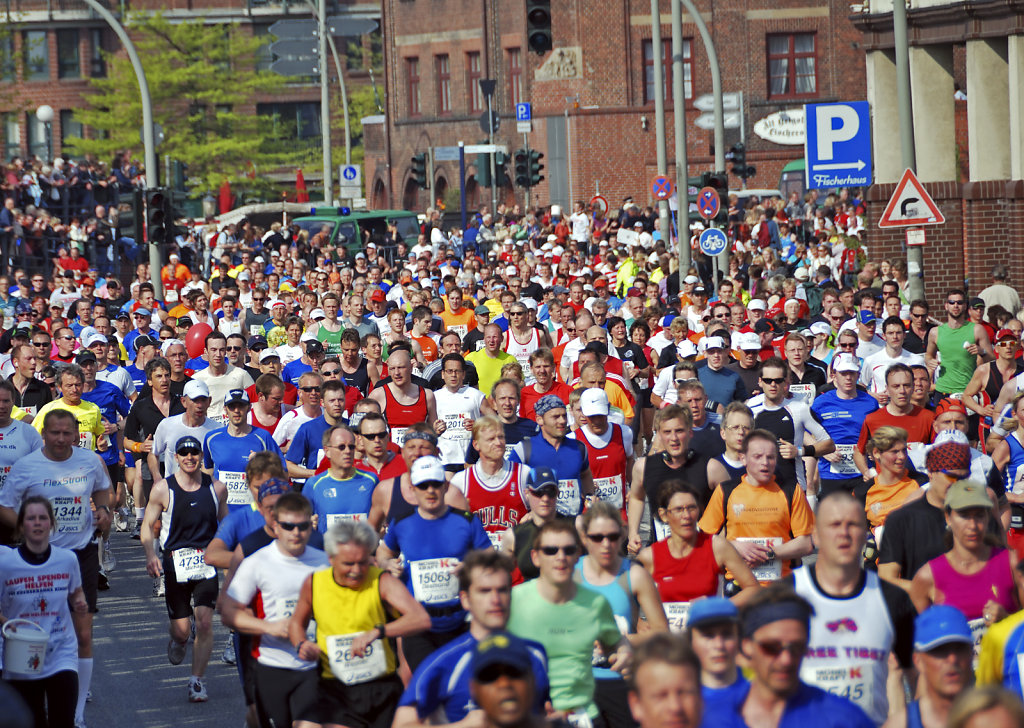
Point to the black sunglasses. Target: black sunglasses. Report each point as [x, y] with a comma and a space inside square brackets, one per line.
[427, 484]
[190, 451]
[773, 380]
[493, 673]
[602, 537]
[570, 550]
[310, 389]
[374, 435]
[304, 526]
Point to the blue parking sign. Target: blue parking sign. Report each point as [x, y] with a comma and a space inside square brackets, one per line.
[837, 144]
[523, 112]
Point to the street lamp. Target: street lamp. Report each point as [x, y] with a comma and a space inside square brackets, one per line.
[45, 114]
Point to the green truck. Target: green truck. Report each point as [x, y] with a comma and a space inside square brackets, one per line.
[354, 229]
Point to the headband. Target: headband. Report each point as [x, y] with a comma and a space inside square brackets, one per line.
[759, 616]
[417, 435]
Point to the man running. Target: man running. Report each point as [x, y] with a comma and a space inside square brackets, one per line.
[193, 421]
[404, 402]
[190, 505]
[342, 493]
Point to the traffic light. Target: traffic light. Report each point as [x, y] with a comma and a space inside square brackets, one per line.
[131, 218]
[521, 160]
[738, 156]
[483, 170]
[535, 167]
[419, 170]
[156, 216]
[538, 25]
[500, 160]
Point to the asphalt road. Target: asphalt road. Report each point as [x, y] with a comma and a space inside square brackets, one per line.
[133, 683]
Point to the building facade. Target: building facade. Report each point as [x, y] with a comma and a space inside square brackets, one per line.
[592, 96]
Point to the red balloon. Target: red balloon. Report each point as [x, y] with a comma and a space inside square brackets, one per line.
[195, 339]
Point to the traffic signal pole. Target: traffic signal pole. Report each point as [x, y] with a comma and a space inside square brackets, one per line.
[679, 117]
[526, 148]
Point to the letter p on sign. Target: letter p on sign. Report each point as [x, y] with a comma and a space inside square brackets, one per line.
[826, 119]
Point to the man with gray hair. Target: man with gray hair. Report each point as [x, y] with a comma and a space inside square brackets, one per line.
[1000, 294]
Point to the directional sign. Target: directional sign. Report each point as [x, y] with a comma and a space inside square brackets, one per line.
[297, 28]
[351, 175]
[295, 66]
[708, 203]
[294, 48]
[730, 120]
[523, 112]
[837, 144]
[910, 205]
[343, 25]
[730, 102]
[446, 154]
[713, 242]
[661, 187]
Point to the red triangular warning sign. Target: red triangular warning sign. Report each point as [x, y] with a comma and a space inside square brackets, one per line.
[910, 205]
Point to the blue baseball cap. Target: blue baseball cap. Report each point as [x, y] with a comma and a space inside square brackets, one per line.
[542, 479]
[188, 442]
[940, 624]
[712, 610]
[501, 648]
[866, 317]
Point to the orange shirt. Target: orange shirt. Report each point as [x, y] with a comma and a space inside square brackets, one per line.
[762, 513]
[428, 346]
[463, 322]
[883, 499]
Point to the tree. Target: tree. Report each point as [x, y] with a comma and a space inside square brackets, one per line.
[203, 82]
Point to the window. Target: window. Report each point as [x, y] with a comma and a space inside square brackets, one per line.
[666, 69]
[69, 127]
[12, 135]
[7, 64]
[97, 65]
[39, 137]
[69, 62]
[444, 84]
[473, 76]
[515, 75]
[412, 73]
[36, 54]
[293, 121]
[792, 65]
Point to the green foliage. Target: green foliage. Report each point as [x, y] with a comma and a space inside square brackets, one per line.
[202, 80]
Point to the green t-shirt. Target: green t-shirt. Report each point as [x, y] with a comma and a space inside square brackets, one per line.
[568, 632]
[957, 366]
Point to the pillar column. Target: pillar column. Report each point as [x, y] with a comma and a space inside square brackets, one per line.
[931, 83]
[1015, 82]
[885, 117]
[988, 100]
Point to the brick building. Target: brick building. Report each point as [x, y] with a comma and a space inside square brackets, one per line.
[593, 95]
[49, 50]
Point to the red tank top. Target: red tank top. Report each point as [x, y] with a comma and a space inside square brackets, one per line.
[689, 578]
[254, 421]
[498, 509]
[608, 466]
[405, 415]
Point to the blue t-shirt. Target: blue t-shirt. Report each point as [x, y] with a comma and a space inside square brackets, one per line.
[197, 364]
[568, 461]
[238, 524]
[726, 694]
[295, 369]
[809, 706]
[228, 455]
[112, 403]
[442, 680]
[842, 420]
[306, 448]
[423, 540]
[723, 385]
[332, 497]
[138, 377]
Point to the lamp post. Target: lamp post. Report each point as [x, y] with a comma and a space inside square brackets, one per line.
[45, 114]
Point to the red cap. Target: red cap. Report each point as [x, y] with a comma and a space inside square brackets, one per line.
[88, 282]
[1006, 334]
[600, 283]
[949, 404]
[378, 295]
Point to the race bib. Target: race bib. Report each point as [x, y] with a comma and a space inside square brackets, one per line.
[677, 613]
[579, 718]
[852, 683]
[568, 497]
[333, 518]
[189, 566]
[31, 410]
[456, 427]
[238, 489]
[86, 440]
[978, 629]
[256, 330]
[845, 466]
[434, 581]
[661, 529]
[770, 570]
[609, 490]
[353, 670]
[72, 513]
[3, 475]
[802, 392]
[496, 538]
[398, 435]
[459, 329]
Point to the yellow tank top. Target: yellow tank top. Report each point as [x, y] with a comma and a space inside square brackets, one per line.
[339, 610]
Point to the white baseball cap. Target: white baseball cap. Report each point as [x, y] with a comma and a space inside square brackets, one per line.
[195, 389]
[748, 342]
[594, 402]
[427, 469]
[94, 338]
[713, 342]
[757, 304]
[269, 354]
[846, 363]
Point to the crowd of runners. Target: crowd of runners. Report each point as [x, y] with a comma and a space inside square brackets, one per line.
[526, 473]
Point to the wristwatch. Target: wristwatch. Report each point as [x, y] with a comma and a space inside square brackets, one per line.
[381, 630]
[106, 508]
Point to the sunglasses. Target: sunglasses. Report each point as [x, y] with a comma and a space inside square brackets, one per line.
[774, 648]
[847, 346]
[303, 526]
[307, 390]
[602, 537]
[331, 373]
[493, 673]
[40, 343]
[234, 348]
[570, 550]
[773, 380]
[374, 435]
[346, 446]
[428, 484]
[190, 451]
[955, 303]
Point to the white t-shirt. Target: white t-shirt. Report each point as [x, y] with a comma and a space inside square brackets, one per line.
[16, 441]
[277, 578]
[580, 227]
[67, 484]
[454, 409]
[872, 371]
[40, 593]
[289, 354]
[220, 385]
[172, 429]
[289, 424]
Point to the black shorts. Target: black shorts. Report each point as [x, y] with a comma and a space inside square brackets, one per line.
[419, 647]
[89, 564]
[610, 695]
[856, 486]
[369, 705]
[283, 695]
[147, 488]
[643, 399]
[182, 596]
[116, 473]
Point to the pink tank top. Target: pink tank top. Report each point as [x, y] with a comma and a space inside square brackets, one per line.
[971, 593]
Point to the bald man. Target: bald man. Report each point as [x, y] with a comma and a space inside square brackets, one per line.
[404, 403]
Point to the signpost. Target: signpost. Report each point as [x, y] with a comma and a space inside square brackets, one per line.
[601, 202]
[661, 187]
[706, 102]
[708, 203]
[910, 206]
[351, 185]
[524, 118]
[713, 242]
[837, 146]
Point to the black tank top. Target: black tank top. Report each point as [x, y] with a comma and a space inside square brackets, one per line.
[359, 378]
[694, 471]
[524, 534]
[193, 515]
[399, 507]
